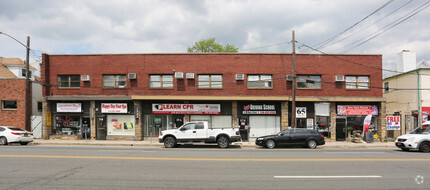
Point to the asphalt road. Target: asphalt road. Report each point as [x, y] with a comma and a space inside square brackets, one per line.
[207, 167]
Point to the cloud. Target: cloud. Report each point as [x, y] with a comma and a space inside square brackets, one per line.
[170, 26]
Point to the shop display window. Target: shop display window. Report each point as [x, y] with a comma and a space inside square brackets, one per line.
[122, 125]
[69, 125]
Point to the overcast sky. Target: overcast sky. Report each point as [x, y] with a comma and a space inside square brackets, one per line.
[150, 26]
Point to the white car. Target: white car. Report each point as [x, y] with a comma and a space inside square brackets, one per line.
[417, 139]
[15, 135]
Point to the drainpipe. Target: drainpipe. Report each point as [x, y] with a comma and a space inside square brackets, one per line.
[420, 117]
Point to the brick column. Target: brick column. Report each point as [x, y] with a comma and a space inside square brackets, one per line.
[46, 108]
[382, 132]
[93, 120]
[138, 121]
[234, 119]
[333, 121]
[284, 115]
[186, 117]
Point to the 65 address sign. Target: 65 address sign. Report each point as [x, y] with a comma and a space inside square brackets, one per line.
[300, 112]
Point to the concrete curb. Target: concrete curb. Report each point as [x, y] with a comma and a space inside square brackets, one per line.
[241, 144]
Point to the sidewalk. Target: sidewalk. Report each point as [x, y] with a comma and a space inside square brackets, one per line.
[154, 142]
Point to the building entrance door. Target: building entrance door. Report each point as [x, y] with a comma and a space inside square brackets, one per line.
[101, 128]
[340, 129]
[86, 129]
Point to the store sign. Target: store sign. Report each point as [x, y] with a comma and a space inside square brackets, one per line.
[260, 109]
[393, 122]
[357, 110]
[310, 123]
[300, 112]
[186, 109]
[114, 108]
[69, 107]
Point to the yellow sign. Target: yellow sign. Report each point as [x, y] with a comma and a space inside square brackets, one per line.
[48, 119]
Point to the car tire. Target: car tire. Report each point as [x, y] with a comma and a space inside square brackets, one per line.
[405, 149]
[223, 142]
[425, 147]
[169, 142]
[23, 143]
[270, 144]
[312, 144]
[3, 141]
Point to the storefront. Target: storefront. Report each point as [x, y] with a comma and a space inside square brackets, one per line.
[68, 121]
[164, 116]
[259, 118]
[115, 121]
[350, 119]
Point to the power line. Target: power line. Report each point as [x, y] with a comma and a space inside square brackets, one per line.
[393, 24]
[337, 35]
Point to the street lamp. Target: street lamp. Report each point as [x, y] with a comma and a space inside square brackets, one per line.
[27, 80]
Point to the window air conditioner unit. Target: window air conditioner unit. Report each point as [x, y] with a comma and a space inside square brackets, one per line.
[240, 77]
[290, 77]
[190, 75]
[132, 75]
[179, 75]
[85, 77]
[339, 78]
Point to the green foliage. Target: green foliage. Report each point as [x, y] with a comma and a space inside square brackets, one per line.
[210, 46]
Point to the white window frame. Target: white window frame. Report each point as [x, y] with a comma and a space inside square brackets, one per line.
[161, 81]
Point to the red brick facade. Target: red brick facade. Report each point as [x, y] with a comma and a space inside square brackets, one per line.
[279, 65]
[14, 90]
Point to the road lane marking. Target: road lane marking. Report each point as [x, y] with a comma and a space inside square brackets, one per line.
[355, 152]
[213, 159]
[325, 177]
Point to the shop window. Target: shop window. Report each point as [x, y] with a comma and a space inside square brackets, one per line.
[161, 81]
[114, 81]
[357, 82]
[260, 81]
[9, 105]
[308, 81]
[69, 125]
[69, 81]
[210, 81]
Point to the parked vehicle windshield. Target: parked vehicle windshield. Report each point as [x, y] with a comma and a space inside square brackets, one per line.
[425, 130]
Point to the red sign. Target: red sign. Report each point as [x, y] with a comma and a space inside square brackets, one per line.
[357, 110]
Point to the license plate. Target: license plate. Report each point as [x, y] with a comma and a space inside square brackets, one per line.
[25, 134]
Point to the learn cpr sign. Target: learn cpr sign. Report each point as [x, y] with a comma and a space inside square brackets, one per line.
[393, 122]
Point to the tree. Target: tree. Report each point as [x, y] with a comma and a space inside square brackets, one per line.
[210, 46]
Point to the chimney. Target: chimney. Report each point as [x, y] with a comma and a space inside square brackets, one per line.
[406, 61]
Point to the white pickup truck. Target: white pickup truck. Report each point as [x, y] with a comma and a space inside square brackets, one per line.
[417, 139]
[199, 131]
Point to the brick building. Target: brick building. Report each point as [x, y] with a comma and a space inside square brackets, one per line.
[131, 96]
[12, 92]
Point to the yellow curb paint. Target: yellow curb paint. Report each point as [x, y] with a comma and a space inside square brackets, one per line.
[211, 159]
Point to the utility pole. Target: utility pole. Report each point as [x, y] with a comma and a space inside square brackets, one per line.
[293, 109]
[27, 88]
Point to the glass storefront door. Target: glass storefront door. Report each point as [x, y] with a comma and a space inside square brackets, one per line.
[340, 129]
[101, 128]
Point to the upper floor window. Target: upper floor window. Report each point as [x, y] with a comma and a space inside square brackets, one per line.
[161, 81]
[357, 82]
[24, 73]
[308, 81]
[210, 81]
[69, 81]
[386, 87]
[259, 81]
[114, 81]
[9, 105]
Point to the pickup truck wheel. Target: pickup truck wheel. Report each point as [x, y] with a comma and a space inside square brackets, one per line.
[425, 147]
[169, 142]
[223, 142]
[312, 144]
[270, 144]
